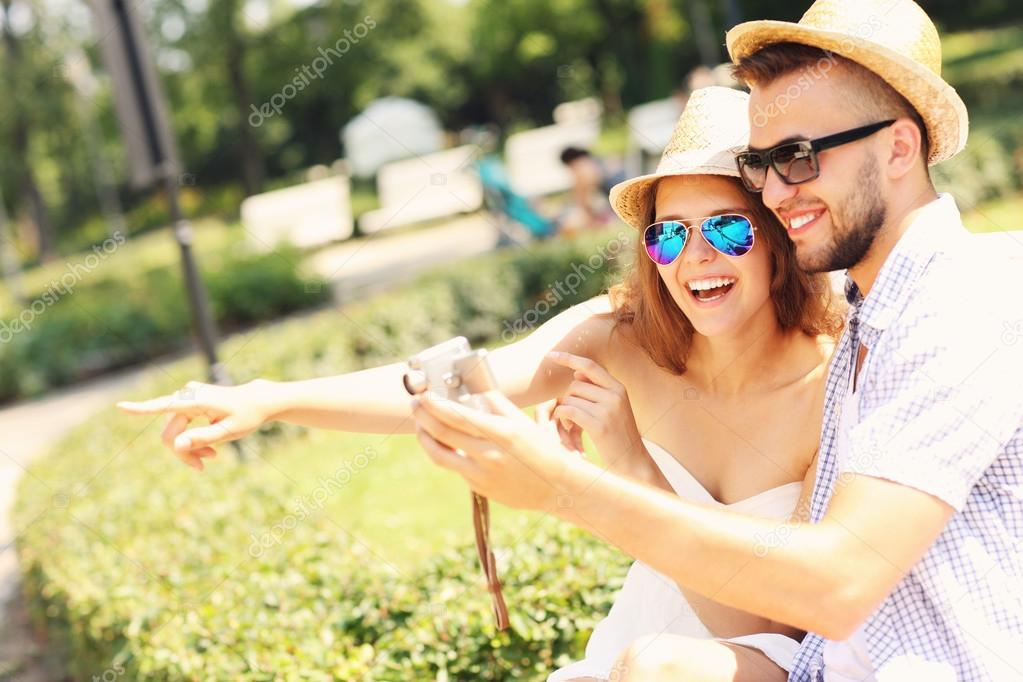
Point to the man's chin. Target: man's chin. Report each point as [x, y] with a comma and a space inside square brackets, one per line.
[813, 259]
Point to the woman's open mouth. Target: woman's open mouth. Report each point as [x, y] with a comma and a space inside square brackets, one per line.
[710, 289]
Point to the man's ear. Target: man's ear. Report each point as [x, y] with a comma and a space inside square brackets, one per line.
[906, 148]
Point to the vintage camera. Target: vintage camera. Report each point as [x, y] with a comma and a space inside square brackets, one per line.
[457, 372]
[452, 370]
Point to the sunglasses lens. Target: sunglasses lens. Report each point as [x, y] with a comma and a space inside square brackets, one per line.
[753, 171]
[731, 235]
[795, 162]
[664, 241]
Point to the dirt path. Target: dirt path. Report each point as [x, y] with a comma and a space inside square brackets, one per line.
[33, 428]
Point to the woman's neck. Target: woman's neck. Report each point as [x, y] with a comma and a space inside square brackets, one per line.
[749, 359]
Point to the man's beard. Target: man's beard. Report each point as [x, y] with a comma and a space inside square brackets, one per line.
[855, 225]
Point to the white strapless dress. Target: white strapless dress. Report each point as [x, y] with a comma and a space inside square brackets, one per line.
[650, 603]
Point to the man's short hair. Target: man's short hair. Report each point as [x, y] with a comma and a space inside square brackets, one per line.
[570, 154]
[873, 96]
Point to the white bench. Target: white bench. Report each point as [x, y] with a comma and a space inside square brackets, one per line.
[650, 127]
[425, 187]
[533, 157]
[305, 215]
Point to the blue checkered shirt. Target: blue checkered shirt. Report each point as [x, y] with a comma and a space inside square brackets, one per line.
[940, 402]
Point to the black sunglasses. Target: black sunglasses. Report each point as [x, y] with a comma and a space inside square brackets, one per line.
[796, 162]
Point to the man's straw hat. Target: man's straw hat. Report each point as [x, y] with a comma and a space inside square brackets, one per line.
[893, 38]
[713, 126]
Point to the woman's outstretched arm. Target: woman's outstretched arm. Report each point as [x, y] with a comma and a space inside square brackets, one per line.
[371, 400]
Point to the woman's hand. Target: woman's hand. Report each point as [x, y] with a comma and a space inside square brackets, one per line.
[232, 411]
[570, 435]
[598, 404]
[502, 454]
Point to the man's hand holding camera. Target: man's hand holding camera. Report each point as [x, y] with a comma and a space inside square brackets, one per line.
[501, 453]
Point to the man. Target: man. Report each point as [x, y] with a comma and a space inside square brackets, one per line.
[591, 182]
[912, 567]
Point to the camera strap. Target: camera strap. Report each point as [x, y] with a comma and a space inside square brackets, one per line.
[481, 522]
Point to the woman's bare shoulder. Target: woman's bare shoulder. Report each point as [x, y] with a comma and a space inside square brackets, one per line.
[594, 328]
[597, 334]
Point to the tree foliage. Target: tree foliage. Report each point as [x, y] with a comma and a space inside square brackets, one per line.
[507, 62]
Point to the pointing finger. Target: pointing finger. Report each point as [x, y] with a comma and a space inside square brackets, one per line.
[587, 367]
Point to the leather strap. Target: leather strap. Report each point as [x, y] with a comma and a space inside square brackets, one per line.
[481, 522]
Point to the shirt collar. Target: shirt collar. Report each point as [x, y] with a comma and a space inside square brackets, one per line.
[930, 233]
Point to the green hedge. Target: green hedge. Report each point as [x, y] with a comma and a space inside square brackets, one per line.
[989, 168]
[112, 320]
[139, 568]
[559, 585]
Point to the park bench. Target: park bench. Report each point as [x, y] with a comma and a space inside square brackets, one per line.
[309, 214]
[425, 187]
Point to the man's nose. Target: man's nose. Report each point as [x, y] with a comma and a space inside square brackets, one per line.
[776, 191]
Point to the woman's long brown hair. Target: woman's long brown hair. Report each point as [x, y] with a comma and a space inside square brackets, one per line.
[643, 303]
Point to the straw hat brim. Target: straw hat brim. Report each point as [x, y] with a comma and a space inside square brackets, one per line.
[627, 198]
[939, 105]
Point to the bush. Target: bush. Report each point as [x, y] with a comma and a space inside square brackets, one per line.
[985, 170]
[484, 299]
[561, 583]
[132, 316]
[158, 574]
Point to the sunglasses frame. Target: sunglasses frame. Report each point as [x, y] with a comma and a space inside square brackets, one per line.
[766, 159]
[689, 230]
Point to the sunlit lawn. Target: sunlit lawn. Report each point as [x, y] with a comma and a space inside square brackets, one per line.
[153, 249]
[983, 54]
[996, 216]
[399, 505]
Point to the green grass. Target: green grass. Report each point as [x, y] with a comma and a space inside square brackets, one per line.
[401, 506]
[145, 542]
[156, 248]
[363, 198]
[613, 140]
[983, 55]
[996, 216]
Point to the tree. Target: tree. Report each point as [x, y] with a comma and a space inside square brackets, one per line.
[20, 132]
[224, 23]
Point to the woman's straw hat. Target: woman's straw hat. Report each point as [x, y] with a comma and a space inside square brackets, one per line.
[713, 126]
[893, 38]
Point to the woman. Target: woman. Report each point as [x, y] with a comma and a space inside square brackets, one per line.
[715, 329]
[704, 313]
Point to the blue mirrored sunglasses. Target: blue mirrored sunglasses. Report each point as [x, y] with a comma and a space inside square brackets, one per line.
[730, 234]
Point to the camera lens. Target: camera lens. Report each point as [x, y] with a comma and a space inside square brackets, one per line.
[414, 381]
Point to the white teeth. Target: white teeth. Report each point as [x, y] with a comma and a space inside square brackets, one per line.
[799, 221]
[710, 283]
